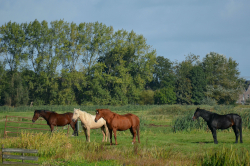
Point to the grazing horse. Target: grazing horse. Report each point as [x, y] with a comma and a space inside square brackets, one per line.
[116, 122]
[88, 122]
[55, 119]
[216, 121]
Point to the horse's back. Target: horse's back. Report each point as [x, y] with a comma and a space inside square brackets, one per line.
[236, 118]
[60, 119]
[135, 119]
[226, 121]
[129, 120]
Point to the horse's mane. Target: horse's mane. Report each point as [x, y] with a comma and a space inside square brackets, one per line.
[39, 111]
[84, 112]
[208, 112]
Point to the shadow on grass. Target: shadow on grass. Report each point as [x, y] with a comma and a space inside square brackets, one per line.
[206, 142]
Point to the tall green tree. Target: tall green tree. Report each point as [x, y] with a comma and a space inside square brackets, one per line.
[183, 85]
[163, 75]
[129, 65]
[12, 44]
[223, 78]
[198, 83]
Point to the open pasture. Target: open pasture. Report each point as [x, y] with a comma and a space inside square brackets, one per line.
[168, 137]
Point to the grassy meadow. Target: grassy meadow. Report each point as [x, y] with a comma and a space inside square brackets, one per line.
[168, 137]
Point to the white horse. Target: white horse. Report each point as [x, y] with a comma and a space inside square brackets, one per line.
[88, 122]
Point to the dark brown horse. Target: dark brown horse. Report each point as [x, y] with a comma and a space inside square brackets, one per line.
[216, 121]
[116, 122]
[55, 119]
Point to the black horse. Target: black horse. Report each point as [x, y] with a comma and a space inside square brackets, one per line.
[216, 121]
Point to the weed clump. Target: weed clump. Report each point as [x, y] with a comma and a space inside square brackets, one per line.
[226, 156]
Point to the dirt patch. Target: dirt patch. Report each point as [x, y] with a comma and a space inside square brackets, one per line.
[154, 125]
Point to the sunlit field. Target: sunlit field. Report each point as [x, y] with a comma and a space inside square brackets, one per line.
[163, 140]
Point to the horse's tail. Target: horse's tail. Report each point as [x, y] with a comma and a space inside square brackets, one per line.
[138, 132]
[240, 128]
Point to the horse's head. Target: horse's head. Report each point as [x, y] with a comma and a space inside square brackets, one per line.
[98, 114]
[196, 114]
[35, 116]
[75, 114]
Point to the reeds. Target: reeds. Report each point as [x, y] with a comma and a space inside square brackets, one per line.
[226, 156]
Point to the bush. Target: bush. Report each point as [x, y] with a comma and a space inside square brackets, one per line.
[146, 97]
[165, 96]
[233, 157]
[208, 101]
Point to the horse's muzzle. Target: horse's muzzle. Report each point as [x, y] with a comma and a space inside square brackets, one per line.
[73, 120]
[96, 120]
[33, 121]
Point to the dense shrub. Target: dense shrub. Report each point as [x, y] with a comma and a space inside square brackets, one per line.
[165, 96]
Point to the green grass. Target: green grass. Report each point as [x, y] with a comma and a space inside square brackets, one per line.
[159, 144]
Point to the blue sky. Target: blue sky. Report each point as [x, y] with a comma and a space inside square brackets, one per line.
[174, 28]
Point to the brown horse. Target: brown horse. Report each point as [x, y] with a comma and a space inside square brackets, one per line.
[116, 122]
[55, 119]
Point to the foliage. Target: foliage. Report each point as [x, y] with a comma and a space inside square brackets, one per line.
[198, 82]
[183, 81]
[62, 63]
[226, 156]
[208, 101]
[147, 97]
[163, 75]
[165, 96]
[223, 81]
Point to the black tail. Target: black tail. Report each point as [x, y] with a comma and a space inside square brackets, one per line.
[240, 128]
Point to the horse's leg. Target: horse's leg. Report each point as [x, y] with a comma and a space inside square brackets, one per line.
[214, 136]
[133, 131]
[73, 127]
[213, 130]
[76, 129]
[107, 132]
[114, 130]
[103, 133]
[236, 133]
[88, 133]
[85, 132]
[110, 136]
[51, 128]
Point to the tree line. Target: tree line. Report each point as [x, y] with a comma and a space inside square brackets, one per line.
[61, 63]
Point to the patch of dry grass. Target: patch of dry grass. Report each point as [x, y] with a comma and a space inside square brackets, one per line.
[59, 146]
